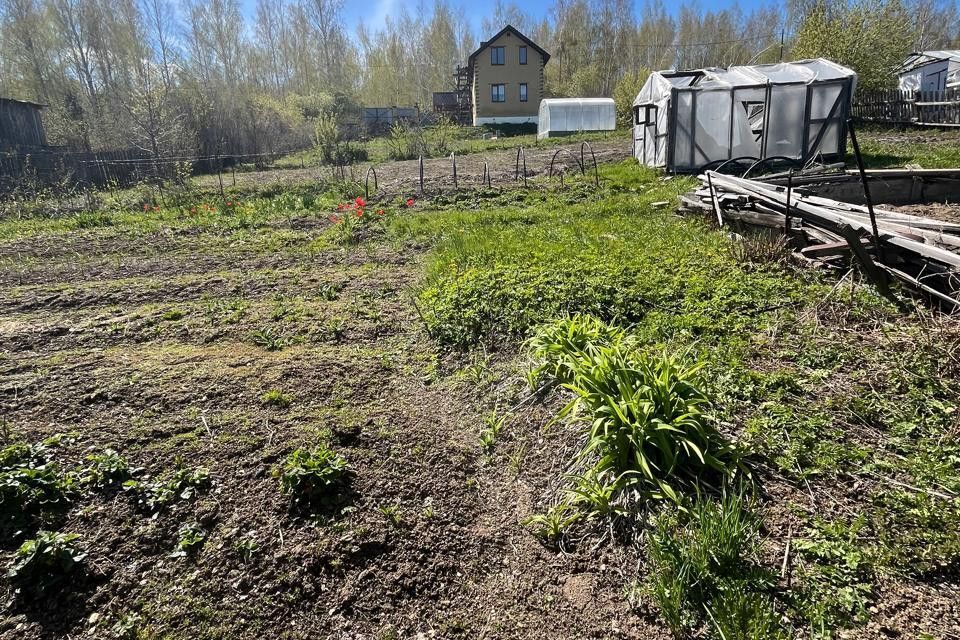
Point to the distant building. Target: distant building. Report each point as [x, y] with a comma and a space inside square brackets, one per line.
[930, 71]
[507, 79]
[21, 128]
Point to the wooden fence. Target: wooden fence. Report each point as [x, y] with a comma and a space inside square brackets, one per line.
[893, 106]
[122, 168]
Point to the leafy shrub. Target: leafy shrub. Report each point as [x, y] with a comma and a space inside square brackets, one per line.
[104, 469]
[312, 475]
[45, 561]
[184, 484]
[32, 485]
[705, 570]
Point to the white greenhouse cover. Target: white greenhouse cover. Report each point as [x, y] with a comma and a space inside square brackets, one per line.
[560, 116]
[685, 120]
[930, 71]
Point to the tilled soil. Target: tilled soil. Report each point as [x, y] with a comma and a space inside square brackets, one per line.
[504, 167]
[144, 345]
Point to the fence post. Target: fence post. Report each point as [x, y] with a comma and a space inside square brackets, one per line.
[421, 174]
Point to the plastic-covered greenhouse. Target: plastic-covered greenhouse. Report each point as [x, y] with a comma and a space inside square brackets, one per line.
[563, 116]
[686, 120]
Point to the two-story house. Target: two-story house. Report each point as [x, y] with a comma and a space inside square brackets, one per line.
[507, 73]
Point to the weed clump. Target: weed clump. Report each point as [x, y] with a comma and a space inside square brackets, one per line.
[45, 562]
[184, 484]
[705, 574]
[105, 469]
[33, 487]
[276, 398]
[313, 476]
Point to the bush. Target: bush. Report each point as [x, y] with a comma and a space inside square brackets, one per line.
[44, 562]
[314, 475]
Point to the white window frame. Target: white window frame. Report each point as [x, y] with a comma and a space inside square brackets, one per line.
[498, 96]
[524, 92]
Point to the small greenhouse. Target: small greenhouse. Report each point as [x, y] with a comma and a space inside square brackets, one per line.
[564, 116]
[930, 71]
[686, 120]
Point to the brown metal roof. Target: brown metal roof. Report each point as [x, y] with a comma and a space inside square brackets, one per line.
[513, 30]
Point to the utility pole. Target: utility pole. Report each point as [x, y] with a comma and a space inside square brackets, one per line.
[781, 44]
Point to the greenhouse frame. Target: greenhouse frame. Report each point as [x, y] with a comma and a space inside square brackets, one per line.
[565, 116]
[687, 120]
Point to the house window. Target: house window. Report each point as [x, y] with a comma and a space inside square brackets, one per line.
[523, 55]
[498, 93]
[523, 92]
[497, 55]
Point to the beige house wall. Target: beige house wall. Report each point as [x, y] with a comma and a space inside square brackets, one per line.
[511, 74]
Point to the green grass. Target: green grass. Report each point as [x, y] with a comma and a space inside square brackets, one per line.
[819, 385]
[929, 147]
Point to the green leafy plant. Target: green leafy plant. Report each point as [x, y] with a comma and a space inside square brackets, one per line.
[646, 426]
[550, 526]
[329, 291]
[246, 548]
[836, 573]
[595, 497]
[312, 475]
[183, 484]
[45, 561]
[32, 485]
[276, 398]
[269, 338]
[393, 514]
[104, 469]
[561, 347]
[191, 539]
[493, 426]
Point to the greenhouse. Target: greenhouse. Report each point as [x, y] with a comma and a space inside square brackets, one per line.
[686, 120]
[564, 116]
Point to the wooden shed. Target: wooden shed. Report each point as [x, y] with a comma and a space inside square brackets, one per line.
[21, 128]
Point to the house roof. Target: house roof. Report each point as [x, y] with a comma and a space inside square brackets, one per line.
[26, 102]
[509, 28]
[920, 58]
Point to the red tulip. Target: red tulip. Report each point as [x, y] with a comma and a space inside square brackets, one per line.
[409, 202]
[379, 212]
[360, 201]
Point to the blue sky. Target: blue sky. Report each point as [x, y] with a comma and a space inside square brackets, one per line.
[373, 12]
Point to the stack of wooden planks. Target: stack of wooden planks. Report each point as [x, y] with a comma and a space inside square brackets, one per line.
[922, 253]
